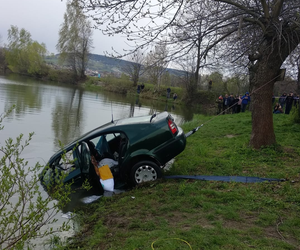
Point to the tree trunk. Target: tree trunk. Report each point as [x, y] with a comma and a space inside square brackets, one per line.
[298, 80]
[262, 78]
[298, 86]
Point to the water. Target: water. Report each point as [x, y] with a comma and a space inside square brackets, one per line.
[57, 112]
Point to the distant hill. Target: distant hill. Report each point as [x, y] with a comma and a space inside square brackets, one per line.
[108, 65]
[113, 65]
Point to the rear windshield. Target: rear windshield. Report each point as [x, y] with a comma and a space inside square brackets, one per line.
[143, 119]
[138, 119]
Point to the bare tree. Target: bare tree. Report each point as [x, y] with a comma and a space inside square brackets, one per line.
[293, 64]
[263, 33]
[188, 65]
[187, 39]
[135, 66]
[156, 63]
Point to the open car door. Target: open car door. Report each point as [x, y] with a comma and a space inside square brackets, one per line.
[85, 159]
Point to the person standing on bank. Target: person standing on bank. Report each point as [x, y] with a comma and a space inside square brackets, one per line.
[245, 100]
[138, 90]
[282, 100]
[209, 84]
[220, 104]
[168, 92]
[174, 96]
[234, 104]
[239, 104]
[289, 103]
[226, 102]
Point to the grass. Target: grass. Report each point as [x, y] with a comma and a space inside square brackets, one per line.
[124, 86]
[192, 214]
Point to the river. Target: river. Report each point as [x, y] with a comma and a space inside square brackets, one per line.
[57, 112]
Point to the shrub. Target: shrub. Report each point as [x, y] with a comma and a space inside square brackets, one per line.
[25, 212]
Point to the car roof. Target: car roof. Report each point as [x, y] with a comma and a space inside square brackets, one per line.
[123, 123]
[117, 125]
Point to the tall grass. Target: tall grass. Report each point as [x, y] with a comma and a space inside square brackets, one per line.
[179, 214]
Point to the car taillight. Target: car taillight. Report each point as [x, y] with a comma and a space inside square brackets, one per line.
[172, 126]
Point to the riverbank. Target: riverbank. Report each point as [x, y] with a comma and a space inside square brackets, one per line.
[178, 214]
[125, 87]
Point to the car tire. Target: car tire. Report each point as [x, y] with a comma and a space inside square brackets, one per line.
[145, 171]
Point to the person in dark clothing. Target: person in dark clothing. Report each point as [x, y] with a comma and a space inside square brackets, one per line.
[239, 104]
[168, 93]
[226, 102]
[138, 90]
[282, 100]
[289, 103]
[231, 102]
[234, 104]
[209, 85]
[174, 96]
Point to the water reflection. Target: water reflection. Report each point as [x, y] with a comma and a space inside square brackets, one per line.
[67, 116]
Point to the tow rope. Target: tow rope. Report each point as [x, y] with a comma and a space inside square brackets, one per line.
[243, 179]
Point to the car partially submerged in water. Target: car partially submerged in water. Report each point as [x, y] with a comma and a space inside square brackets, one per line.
[141, 146]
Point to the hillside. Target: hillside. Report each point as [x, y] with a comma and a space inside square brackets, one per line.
[107, 65]
[114, 65]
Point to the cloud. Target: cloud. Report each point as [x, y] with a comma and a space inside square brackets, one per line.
[42, 19]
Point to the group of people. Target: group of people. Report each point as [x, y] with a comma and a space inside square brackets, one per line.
[287, 101]
[233, 104]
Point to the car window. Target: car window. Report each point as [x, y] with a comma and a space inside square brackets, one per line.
[109, 137]
[69, 160]
[108, 144]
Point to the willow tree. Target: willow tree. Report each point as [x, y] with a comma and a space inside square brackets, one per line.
[75, 39]
[262, 33]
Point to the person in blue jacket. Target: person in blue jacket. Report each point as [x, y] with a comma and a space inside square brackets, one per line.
[245, 100]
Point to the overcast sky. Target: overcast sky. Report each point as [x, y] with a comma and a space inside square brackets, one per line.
[42, 19]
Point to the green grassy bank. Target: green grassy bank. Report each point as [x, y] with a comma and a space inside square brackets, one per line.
[189, 214]
[125, 86]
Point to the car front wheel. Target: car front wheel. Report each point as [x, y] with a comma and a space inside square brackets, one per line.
[145, 171]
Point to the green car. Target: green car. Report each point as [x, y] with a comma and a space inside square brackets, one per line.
[140, 147]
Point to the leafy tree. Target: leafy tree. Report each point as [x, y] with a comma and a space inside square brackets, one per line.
[237, 84]
[259, 34]
[26, 212]
[24, 55]
[2, 59]
[2, 56]
[75, 39]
